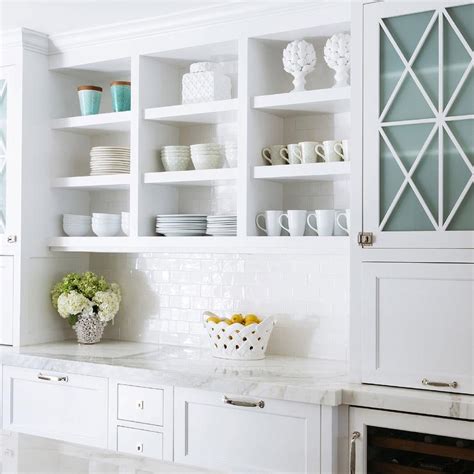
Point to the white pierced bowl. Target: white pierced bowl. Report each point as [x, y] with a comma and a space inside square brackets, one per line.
[236, 341]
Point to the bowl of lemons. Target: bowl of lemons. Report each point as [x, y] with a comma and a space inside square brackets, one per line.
[239, 336]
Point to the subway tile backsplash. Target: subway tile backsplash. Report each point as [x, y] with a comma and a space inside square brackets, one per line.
[166, 293]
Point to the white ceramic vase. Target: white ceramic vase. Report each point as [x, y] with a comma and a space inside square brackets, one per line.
[299, 59]
[337, 54]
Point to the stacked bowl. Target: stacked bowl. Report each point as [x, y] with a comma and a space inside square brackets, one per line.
[176, 157]
[75, 225]
[106, 225]
[207, 156]
[231, 154]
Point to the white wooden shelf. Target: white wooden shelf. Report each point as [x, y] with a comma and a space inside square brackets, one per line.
[253, 244]
[91, 183]
[218, 111]
[191, 177]
[319, 101]
[304, 172]
[94, 124]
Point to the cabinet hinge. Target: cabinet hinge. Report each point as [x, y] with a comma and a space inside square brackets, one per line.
[365, 239]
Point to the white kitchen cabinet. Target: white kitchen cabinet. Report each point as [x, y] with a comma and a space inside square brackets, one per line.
[418, 326]
[219, 431]
[6, 300]
[362, 419]
[418, 145]
[140, 404]
[67, 407]
[140, 442]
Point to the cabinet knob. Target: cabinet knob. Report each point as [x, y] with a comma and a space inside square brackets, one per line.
[141, 404]
[11, 239]
[139, 447]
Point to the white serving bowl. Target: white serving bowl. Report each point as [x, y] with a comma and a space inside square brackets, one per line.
[175, 147]
[76, 218]
[206, 162]
[76, 230]
[206, 146]
[106, 217]
[172, 163]
[109, 229]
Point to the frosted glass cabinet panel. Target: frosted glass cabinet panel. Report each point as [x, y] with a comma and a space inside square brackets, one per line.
[419, 132]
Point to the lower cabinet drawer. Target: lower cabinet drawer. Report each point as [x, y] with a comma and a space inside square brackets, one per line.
[273, 435]
[62, 406]
[141, 442]
[140, 404]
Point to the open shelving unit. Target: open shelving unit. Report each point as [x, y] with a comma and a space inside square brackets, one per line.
[260, 112]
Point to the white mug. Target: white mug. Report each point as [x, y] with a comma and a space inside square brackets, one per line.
[347, 215]
[330, 151]
[324, 221]
[337, 230]
[308, 151]
[275, 154]
[342, 148]
[293, 151]
[272, 223]
[296, 222]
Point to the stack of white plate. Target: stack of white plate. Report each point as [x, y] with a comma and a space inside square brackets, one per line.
[181, 225]
[222, 225]
[176, 157]
[106, 225]
[109, 160]
[207, 156]
[75, 225]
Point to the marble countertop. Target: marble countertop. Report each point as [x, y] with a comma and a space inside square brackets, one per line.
[283, 378]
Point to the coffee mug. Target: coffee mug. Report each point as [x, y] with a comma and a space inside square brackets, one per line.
[296, 222]
[347, 215]
[308, 152]
[337, 230]
[293, 151]
[275, 154]
[328, 151]
[272, 223]
[342, 147]
[324, 221]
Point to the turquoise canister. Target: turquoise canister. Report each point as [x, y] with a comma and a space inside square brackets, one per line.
[89, 99]
[120, 91]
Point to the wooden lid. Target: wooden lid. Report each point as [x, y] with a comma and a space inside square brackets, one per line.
[89, 88]
[121, 83]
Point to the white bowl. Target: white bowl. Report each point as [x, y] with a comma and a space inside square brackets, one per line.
[103, 216]
[76, 217]
[175, 147]
[206, 162]
[173, 163]
[106, 230]
[76, 230]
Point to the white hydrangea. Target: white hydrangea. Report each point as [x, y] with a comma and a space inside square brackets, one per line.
[108, 303]
[72, 303]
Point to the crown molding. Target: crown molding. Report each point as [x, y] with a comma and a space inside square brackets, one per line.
[25, 38]
[175, 22]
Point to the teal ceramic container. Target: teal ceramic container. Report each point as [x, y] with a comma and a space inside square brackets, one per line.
[120, 91]
[89, 99]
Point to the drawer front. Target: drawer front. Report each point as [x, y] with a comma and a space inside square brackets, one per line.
[419, 325]
[281, 436]
[140, 442]
[139, 404]
[67, 407]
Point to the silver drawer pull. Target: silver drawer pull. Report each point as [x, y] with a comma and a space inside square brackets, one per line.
[53, 378]
[241, 403]
[431, 383]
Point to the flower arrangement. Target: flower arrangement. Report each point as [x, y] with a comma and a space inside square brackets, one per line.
[88, 303]
[299, 59]
[337, 54]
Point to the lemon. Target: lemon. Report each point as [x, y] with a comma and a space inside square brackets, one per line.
[213, 319]
[252, 318]
[237, 318]
[228, 321]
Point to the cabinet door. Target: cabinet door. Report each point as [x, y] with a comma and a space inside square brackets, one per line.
[67, 407]
[418, 145]
[360, 419]
[419, 325]
[6, 300]
[281, 436]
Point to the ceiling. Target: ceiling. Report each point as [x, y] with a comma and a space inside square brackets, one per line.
[57, 16]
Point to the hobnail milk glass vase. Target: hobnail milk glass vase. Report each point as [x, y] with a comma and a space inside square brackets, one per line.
[89, 330]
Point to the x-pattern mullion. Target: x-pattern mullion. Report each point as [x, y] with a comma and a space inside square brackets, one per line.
[408, 177]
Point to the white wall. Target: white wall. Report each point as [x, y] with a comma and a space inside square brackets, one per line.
[165, 295]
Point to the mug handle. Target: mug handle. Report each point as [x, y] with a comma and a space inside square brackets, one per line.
[309, 222]
[320, 154]
[265, 152]
[284, 154]
[281, 223]
[342, 214]
[298, 155]
[257, 223]
[339, 150]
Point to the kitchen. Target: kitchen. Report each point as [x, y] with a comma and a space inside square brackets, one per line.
[239, 237]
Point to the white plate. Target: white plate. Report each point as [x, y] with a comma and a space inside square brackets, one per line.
[182, 215]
